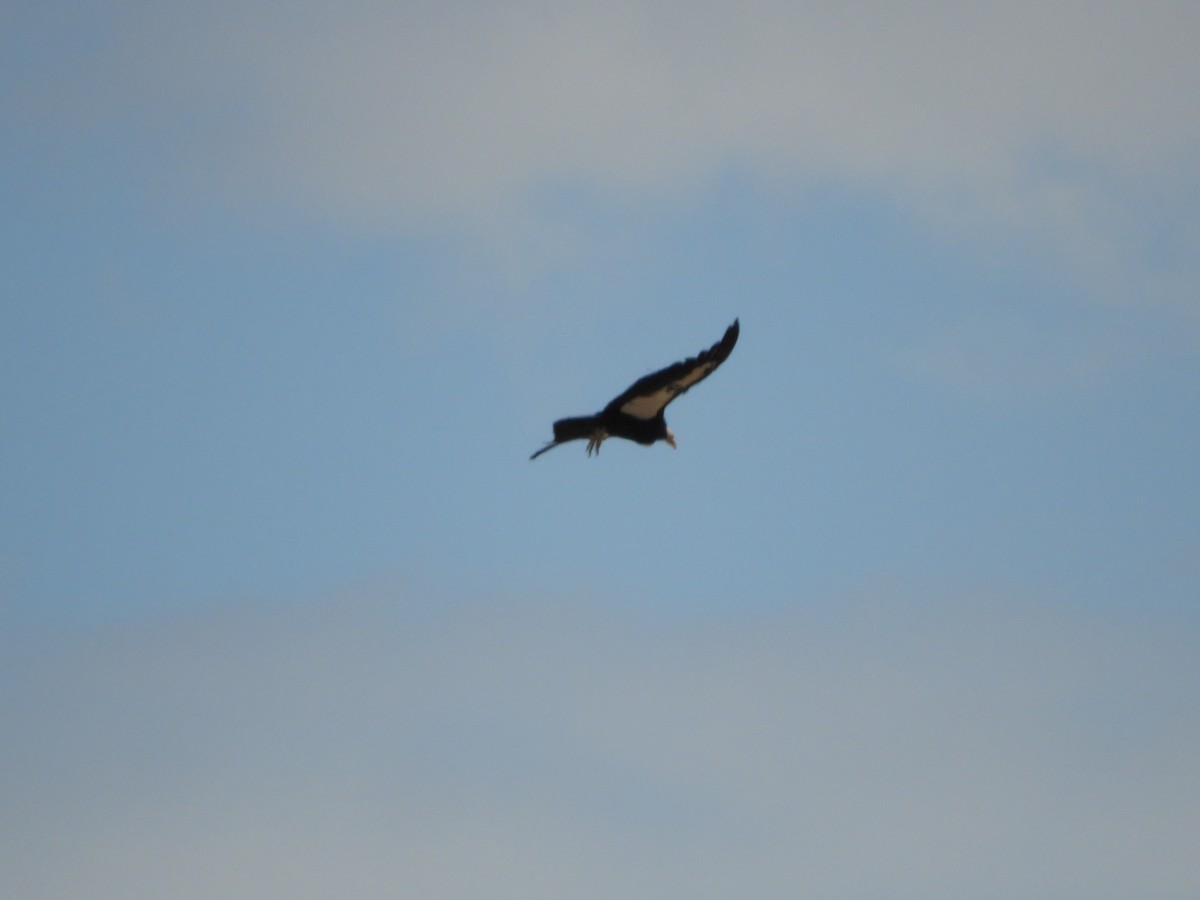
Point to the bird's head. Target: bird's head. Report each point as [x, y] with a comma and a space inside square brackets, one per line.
[669, 437]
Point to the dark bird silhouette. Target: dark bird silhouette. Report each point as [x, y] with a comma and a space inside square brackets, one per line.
[637, 414]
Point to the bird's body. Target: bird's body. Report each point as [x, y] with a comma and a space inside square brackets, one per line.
[638, 414]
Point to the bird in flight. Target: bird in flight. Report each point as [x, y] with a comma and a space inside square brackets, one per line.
[637, 414]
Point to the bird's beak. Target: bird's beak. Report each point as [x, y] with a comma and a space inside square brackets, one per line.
[671, 440]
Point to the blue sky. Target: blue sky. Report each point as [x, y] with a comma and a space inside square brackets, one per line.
[291, 293]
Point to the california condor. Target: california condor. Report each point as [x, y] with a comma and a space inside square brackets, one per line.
[637, 415]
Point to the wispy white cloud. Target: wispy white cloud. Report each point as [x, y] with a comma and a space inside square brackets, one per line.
[1059, 125]
[898, 748]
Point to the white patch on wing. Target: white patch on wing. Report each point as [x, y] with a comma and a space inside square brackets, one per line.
[647, 406]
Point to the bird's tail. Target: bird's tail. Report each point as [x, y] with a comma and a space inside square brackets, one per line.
[570, 430]
[574, 428]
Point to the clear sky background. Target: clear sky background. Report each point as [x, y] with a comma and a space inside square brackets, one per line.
[290, 292]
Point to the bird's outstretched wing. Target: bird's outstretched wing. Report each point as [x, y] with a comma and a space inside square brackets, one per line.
[648, 396]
